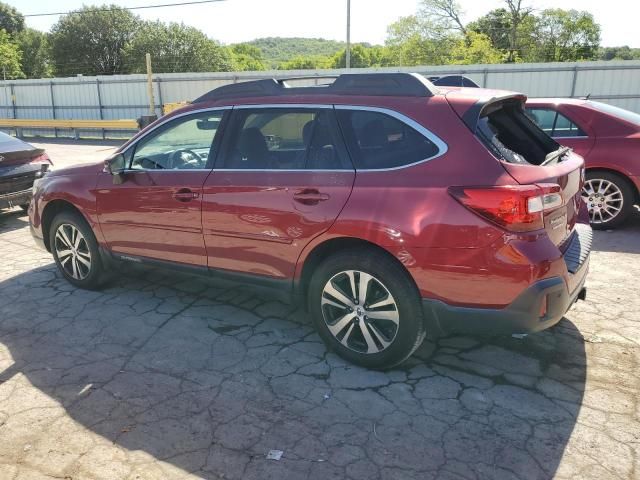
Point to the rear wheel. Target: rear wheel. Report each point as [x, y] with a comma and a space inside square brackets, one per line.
[75, 250]
[366, 308]
[609, 198]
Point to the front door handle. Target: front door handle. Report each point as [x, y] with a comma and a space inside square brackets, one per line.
[310, 196]
[185, 195]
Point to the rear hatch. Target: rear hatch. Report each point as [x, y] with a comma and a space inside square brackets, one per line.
[550, 175]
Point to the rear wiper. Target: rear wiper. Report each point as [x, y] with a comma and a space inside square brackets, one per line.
[555, 155]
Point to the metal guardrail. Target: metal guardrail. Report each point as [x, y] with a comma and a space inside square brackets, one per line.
[75, 125]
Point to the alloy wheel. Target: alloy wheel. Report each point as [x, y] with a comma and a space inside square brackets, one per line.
[360, 311]
[603, 198]
[72, 251]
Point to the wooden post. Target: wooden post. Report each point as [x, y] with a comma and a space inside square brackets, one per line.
[152, 102]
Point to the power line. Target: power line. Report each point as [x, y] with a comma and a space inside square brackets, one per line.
[195, 2]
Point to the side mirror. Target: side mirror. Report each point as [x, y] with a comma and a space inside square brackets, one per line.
[115, 166]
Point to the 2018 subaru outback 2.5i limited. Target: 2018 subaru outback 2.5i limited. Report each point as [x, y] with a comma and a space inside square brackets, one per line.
[393, 208]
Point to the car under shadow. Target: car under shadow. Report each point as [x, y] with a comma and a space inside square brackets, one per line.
[210, 379]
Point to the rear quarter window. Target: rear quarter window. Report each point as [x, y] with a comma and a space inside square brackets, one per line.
[378, 140]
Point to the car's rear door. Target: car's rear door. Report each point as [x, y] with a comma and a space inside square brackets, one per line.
[282, 178]
[155, 212]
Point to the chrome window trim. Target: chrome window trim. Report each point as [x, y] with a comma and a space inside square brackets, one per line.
[568, 138]
[309, 106]
[437, 141]
[428, 134]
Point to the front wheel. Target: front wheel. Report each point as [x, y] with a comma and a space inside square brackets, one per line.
[366, 308]
[75, 250]
[609, 198]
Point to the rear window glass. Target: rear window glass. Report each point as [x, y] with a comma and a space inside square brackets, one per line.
[376, 140]
[513, 137]
[625, 115]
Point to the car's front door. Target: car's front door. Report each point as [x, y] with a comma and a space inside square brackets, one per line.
[282, 179]
[156, 212]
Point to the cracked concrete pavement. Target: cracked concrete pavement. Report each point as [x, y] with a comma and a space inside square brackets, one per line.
[167, 376]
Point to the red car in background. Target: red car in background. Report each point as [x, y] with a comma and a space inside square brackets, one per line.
[608, 138]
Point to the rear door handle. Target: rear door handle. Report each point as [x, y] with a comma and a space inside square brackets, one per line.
[185, 195]
[310, 196]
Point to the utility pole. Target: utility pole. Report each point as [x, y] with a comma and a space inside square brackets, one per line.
[152, 102]
[348, 60]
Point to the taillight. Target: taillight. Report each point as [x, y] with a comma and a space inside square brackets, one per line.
[518, 208]
[43, 157]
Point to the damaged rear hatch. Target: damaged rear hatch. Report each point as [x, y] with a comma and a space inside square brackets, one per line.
[550, 176]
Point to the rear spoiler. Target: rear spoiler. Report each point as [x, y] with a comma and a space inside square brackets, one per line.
[484, 106]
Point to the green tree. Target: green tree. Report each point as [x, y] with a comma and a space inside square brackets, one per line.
[497, 26]
[92, 40]
[36, 53]
[446, 15]
[247, 57]
[567, 35]
[360, 57]
[10, 57]
[414, 40]
[474, 48]
[619, 53]
[175, 47]
[11, 20]
[311, 62]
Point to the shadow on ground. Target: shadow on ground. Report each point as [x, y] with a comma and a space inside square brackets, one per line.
[209, 380]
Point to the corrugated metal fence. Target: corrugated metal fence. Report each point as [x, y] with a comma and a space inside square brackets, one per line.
[125, 96]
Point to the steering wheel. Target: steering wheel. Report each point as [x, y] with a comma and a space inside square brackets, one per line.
[177, 159]
[148, 164]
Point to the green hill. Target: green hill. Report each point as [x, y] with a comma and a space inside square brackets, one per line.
[276, 50]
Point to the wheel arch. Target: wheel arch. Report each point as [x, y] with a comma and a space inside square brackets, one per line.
[51, 209]
[329, 247]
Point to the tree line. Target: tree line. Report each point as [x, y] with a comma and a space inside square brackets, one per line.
[108, 40]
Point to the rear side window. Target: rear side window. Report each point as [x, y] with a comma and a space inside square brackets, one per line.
[554, 123]
[377, 140]
[284, 139]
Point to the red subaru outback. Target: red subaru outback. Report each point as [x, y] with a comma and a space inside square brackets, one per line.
[392, 208]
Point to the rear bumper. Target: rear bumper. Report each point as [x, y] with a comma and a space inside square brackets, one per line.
[540, 306]
[14, 199]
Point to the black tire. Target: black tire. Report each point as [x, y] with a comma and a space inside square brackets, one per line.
[398, 285]
[628, 199]
[94, 275]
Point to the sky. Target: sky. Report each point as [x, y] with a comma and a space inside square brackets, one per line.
[232, 21]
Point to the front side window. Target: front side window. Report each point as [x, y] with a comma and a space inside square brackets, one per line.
[182, 144]
[378, 141]
[284, 139]
[554, 123]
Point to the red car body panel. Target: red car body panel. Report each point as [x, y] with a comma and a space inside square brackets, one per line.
[250, 222]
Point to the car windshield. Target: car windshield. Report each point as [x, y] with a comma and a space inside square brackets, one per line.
[621, 113]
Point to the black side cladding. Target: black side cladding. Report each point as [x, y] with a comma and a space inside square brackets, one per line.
[372, 84]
